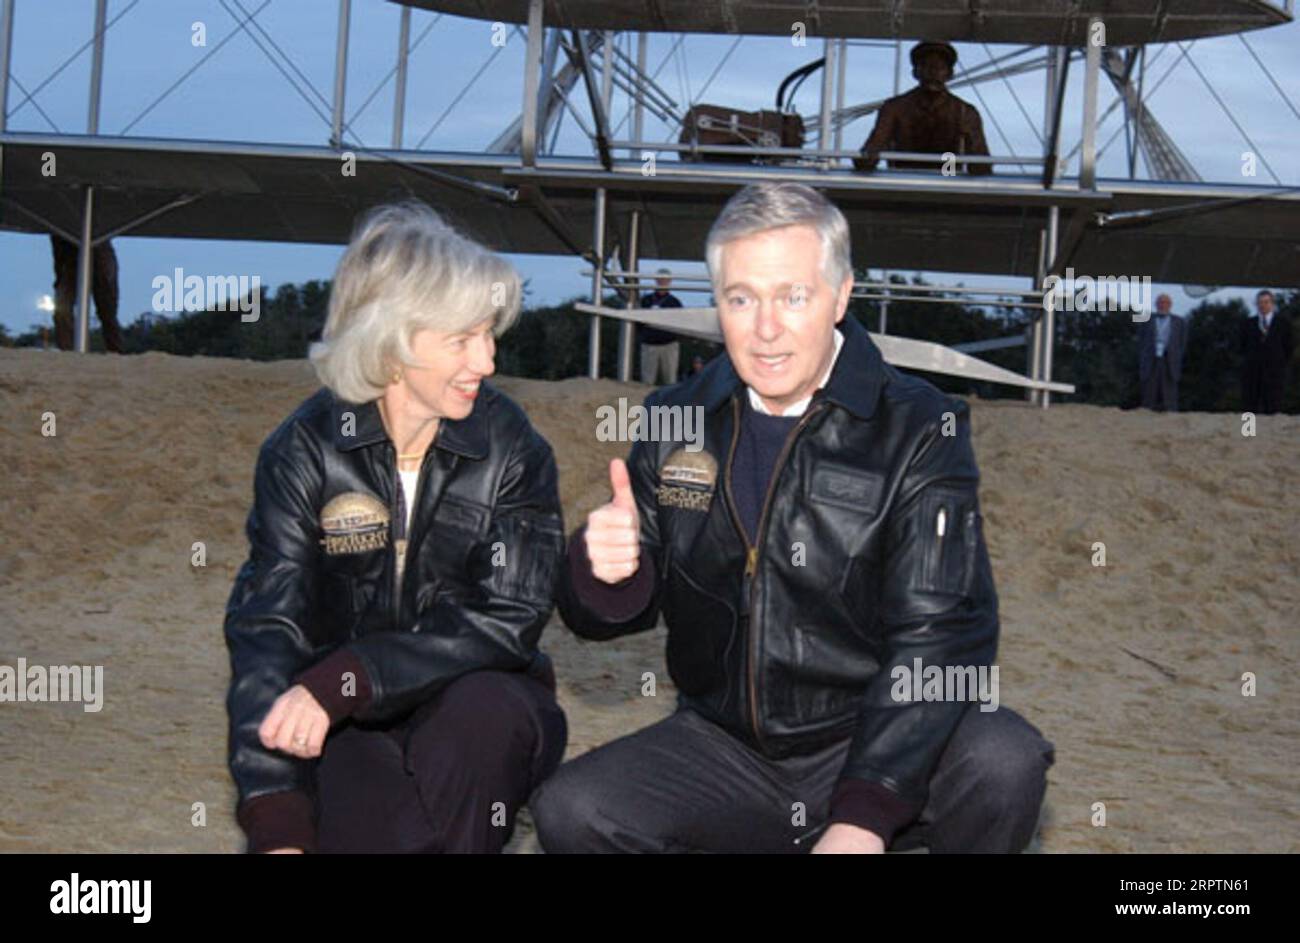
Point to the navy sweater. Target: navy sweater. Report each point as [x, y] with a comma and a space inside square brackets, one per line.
[761, 439]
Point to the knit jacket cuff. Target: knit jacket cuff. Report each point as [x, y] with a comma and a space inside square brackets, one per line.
[616, 602]
[327, 680]
[278, 820]
[872, 806]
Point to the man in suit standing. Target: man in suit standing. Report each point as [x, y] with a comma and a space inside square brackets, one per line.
[659, 348]
[1162, 346]
[1266, 347]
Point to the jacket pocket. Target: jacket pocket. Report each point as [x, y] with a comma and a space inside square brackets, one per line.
[339, 595]
[847, 487]
[347, 603]
[949, 535]
[537, 546]
[425, 595]
[701, 635]
[822, 678]
[445, 548]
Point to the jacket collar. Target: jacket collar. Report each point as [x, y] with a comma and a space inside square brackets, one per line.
[859, 375]
[855, 382]
[467, 437]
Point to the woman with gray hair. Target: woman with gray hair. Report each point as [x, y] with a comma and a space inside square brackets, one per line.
[387, 692]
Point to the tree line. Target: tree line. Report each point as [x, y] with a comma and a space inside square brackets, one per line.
[1095, 350]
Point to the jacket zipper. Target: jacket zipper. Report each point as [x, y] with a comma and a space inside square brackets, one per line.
[401, 546]
[751, 550]
[399, 543]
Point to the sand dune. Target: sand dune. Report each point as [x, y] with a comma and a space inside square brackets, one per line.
[1133, 669]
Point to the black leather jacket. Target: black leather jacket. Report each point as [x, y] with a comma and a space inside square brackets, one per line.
[791, 645]
[483, 554]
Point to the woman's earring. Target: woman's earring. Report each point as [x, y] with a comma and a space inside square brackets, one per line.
[397, 376]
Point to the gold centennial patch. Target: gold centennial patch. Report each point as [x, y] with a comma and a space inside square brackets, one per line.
[354, 522]
[685, 498]
[687, 480]
[689, 468]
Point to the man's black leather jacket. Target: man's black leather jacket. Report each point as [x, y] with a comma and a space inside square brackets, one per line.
[322, 577]
[791, 644]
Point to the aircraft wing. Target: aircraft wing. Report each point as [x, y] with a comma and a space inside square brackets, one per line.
[1189, 233]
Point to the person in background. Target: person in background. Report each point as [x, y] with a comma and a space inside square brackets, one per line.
[1162, 348]
[659, 348]
[103, 287]
[1266, 347]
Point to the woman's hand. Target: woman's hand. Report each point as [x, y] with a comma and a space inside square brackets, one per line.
[296, 724]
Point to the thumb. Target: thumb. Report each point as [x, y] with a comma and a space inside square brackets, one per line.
[621, 482]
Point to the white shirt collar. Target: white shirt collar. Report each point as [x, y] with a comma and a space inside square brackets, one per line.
[797, 409]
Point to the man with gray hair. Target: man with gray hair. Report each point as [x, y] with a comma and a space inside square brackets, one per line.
[1162, 348]
[659, 348]
[820, 556]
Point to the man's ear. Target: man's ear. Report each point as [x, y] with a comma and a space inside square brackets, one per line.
[842, 299]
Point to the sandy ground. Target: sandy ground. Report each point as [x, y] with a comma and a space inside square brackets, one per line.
[1133, 669]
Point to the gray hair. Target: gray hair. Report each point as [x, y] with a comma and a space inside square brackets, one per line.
[405, 270]
[763, 206]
